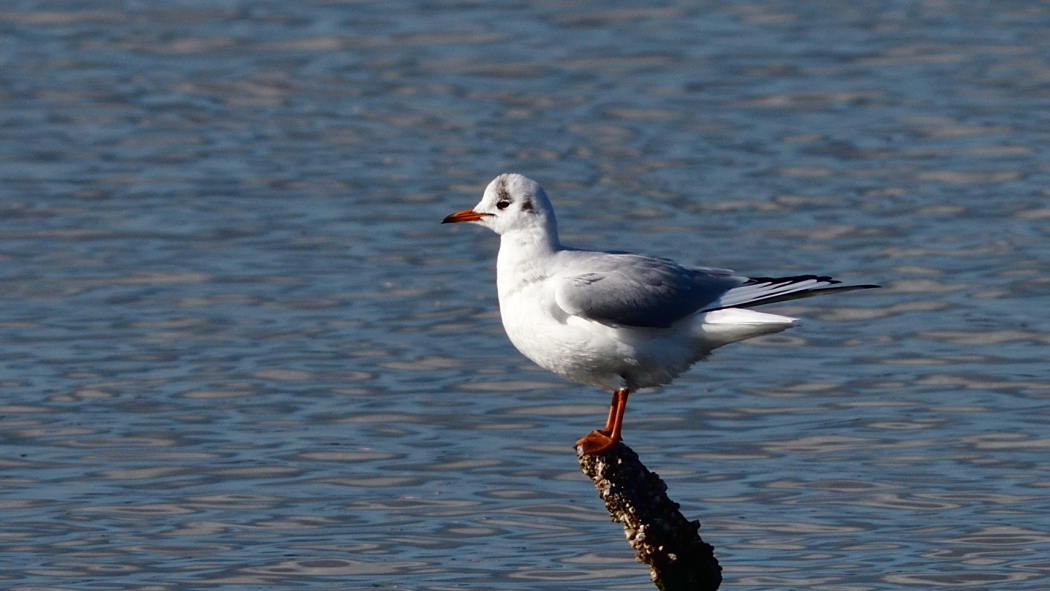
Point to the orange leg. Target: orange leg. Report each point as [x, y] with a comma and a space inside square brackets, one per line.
[614, 408]
[601, 440]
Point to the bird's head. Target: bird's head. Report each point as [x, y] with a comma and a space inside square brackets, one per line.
[511, 203]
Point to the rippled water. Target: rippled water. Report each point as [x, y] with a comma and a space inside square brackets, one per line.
[238, 349]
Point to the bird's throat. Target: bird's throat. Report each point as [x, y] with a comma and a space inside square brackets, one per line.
[522, 260]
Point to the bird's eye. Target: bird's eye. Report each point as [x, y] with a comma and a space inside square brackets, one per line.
[502, 205]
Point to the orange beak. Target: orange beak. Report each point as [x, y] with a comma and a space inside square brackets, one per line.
[468, 215]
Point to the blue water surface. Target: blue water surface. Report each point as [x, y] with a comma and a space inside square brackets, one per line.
[238, 350]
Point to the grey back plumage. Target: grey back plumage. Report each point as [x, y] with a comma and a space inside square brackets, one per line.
[636, 290]
[622, 289]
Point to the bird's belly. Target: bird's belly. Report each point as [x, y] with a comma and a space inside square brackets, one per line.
[592, 353]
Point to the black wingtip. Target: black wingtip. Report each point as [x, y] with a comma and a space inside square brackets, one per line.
[828, 286]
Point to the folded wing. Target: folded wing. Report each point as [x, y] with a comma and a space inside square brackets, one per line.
[636, 290]
[641, 291]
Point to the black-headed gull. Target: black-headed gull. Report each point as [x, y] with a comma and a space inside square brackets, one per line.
[618, 321]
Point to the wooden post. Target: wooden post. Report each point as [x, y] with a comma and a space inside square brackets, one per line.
[662, 537]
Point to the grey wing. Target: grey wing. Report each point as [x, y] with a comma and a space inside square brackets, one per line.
[635, 290]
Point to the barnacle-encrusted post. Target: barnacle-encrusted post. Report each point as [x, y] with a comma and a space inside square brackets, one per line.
[663, 538]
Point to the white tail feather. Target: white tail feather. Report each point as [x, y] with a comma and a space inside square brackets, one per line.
[729, 325]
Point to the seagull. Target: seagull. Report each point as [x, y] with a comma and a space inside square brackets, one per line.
[616, 320]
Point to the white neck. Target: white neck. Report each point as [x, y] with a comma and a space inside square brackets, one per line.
[523, 258]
